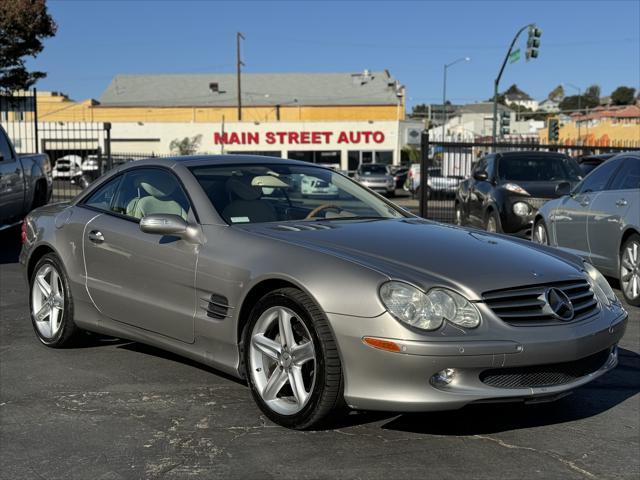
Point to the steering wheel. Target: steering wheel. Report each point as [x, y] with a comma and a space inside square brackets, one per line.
[318, 209]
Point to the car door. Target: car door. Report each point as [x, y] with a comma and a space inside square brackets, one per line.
[138, 278]
[11, 183]
[477, 194]
[569, 220]
[608, 212]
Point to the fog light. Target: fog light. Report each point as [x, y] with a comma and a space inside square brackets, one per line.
[443, 377]
[521, 209]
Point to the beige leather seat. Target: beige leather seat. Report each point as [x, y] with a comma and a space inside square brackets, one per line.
[158, 199]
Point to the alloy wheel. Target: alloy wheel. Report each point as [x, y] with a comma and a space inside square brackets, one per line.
[630, 270]
[47, 301]
[282, 360]
[458, 215]
[540, 234]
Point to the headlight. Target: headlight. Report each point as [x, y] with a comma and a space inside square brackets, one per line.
[521, 209]
[428, 311]
[513, 187]
[600, 286]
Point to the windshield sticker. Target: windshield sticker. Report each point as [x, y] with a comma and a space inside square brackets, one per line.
[239, 219]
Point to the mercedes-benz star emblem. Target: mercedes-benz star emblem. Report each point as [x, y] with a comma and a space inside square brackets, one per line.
[558, 304]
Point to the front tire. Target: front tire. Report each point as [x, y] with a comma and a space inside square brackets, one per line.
[540, 234]
[291, 359]
[630, 270]
[51, 303]
[492, 222]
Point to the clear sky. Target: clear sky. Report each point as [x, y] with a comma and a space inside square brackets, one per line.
[583, 42]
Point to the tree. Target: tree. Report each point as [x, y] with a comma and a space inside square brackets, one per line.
[623, 96]
[23, 26]
[592, 95]
[185, 146]
[557, 94]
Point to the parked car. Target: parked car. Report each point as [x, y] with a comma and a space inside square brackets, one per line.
[25, 182]
[505, 190]
[314, 186]
[67, 167]
[316, 304]
[439, 185]
[589, 162]
[377, 177]
[600, 221]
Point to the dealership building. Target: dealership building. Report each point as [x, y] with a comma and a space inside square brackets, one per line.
[332, 118]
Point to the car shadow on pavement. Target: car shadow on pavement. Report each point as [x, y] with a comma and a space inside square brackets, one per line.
[164, 354]
[599, 396]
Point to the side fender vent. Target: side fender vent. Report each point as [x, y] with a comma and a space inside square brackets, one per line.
[216, 306]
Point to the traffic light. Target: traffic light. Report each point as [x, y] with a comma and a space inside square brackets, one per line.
[533, 42]
[554, 130]
[505, 123]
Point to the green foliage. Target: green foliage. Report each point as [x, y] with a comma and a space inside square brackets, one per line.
[411, 153]
[557, 94]
[590, 99]
[623, 96]
[23, 26]
[185, 146]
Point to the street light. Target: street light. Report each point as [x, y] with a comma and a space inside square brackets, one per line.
[579, 102]
[444, 90]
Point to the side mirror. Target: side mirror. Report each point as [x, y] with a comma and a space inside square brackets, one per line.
[481, 176]
[166, 224]
[563, 188]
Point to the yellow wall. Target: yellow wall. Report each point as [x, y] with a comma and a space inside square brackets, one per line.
[606, 132]
[61, 109]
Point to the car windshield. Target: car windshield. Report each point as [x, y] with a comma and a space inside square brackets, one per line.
[281, 193]
[539, 169]
[373, 169]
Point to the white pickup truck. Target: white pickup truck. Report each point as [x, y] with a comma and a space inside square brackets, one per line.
[25, 182]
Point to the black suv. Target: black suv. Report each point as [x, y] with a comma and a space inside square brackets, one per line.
[505, 190]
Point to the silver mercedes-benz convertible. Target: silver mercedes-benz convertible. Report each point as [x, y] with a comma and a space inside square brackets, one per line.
[318, 301]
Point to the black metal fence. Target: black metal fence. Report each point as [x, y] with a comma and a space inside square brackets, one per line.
[445, 164]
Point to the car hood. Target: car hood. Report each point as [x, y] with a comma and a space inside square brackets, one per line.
[541, 189]
[429, 254]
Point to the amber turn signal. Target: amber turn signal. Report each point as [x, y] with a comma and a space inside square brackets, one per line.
[387, 345]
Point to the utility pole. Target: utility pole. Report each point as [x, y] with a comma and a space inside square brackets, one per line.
[239, 65]
[444, 92]
[532, 45]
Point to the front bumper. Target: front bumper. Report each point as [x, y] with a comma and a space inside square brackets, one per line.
[400, 382]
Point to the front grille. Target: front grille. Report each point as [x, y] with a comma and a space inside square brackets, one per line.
[544, 375]
[537, 202]
[523, 306]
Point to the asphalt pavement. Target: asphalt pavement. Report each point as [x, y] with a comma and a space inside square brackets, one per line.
[114, 409]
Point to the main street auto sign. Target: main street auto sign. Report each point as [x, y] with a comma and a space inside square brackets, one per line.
[299, 138]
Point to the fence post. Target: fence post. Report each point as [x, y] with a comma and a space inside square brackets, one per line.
[107, 145]
[424, 157]
[35, 121]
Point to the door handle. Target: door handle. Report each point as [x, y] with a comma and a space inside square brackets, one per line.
[622, 202]
[96, 236]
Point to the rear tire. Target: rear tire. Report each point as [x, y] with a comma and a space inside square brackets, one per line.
[295, 377]
[51, 304]
[630, 270]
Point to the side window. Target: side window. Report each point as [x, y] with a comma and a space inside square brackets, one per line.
[5, 149]
[147, 191]
[597, 180]
[103, 196]
[480, 165]
[628, 176]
